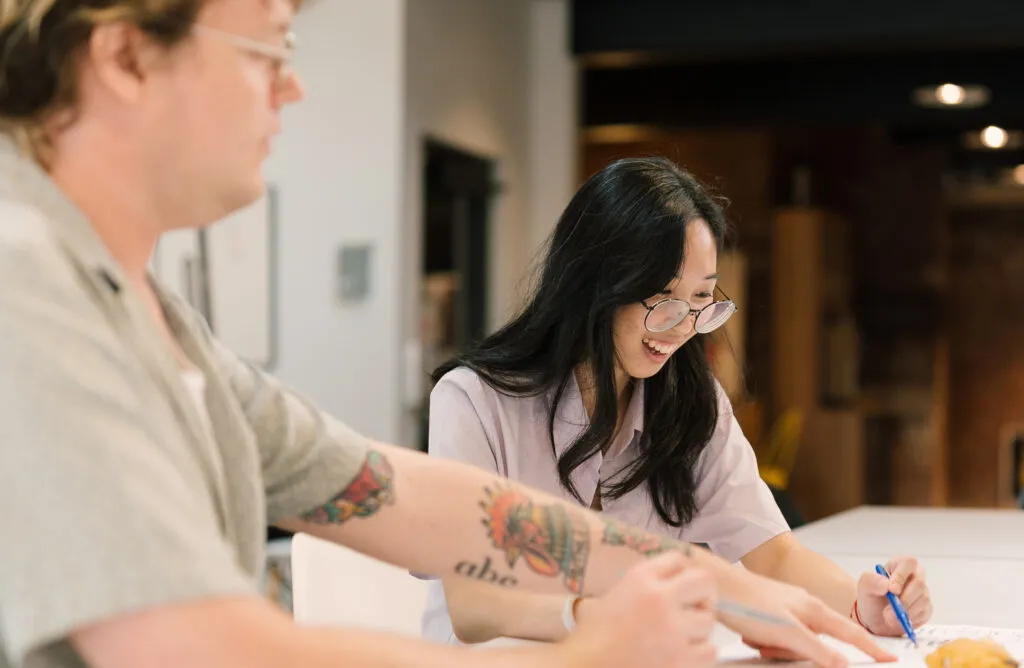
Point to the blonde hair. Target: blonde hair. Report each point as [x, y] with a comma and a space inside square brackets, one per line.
[40, 41]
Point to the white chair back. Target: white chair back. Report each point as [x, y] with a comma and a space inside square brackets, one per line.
[335, 586]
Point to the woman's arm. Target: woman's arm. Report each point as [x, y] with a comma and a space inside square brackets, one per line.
[784, 558]
[480, 612]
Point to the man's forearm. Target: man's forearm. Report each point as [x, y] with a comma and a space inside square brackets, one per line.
[441, 518]
[213, 633]
[330, 648]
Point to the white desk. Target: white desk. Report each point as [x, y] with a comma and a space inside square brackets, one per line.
[924, 532]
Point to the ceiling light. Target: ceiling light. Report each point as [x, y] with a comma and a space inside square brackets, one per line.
[1018, 174]
[952, 95]
[994, 137]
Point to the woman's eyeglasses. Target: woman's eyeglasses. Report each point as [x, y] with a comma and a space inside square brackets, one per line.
[668, 313]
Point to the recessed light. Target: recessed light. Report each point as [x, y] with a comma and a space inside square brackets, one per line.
[950, 94]
[993, 138]
[968, 96]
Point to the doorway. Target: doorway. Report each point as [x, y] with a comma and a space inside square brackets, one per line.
[458, 189]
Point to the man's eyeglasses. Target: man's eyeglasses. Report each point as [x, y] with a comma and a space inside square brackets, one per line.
[279, 56]
[668, 313]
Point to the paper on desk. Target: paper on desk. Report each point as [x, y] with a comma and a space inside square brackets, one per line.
[929, 637]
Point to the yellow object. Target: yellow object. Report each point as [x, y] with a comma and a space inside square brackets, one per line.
[1020, 481]
[776, 462]
[966, 653]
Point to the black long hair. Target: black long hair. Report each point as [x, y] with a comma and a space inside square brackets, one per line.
[619, 241]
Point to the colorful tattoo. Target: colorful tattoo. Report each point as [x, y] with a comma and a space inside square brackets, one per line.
[647, 544]
[371, 489]
[549, 539]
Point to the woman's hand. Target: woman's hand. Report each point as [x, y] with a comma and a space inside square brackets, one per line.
[907, 581]
[808, 617]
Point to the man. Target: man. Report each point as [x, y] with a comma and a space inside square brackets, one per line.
[141, 461]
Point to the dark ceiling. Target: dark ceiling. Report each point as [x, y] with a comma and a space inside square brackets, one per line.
[728, 27]
[680, 63]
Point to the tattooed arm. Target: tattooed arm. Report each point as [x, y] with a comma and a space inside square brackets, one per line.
[446, 518]
[441, 517]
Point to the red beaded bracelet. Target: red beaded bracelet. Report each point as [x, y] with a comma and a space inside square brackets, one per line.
[855, 616]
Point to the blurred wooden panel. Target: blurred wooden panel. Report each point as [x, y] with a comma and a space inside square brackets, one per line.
[796, 312]
[829, 473]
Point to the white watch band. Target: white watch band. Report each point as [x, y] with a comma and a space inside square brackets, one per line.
[568, 618]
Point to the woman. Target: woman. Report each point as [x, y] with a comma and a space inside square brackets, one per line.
[600, 391]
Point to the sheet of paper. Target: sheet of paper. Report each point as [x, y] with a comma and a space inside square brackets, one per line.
[929, 637]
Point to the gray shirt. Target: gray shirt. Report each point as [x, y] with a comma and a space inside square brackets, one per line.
[117, 494]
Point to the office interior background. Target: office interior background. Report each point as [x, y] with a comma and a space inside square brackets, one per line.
[873, 155]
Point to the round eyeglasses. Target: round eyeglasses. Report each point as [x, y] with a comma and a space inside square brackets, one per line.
[668, 313]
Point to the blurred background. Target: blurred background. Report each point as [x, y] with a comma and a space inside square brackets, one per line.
[871, 152]
[874, 159]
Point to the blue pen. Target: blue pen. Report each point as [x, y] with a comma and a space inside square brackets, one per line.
[897, 606]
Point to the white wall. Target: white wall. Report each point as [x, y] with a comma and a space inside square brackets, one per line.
[487, 77]
[338, 165]
[468, 85]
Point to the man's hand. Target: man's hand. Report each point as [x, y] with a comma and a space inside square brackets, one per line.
[810, 616]
[660, 614]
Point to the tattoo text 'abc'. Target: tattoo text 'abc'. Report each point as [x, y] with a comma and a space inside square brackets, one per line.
[485, 573]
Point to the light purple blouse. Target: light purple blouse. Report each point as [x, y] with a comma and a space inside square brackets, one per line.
[474, 423]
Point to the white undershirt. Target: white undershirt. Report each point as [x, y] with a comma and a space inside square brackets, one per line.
[195, 381]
